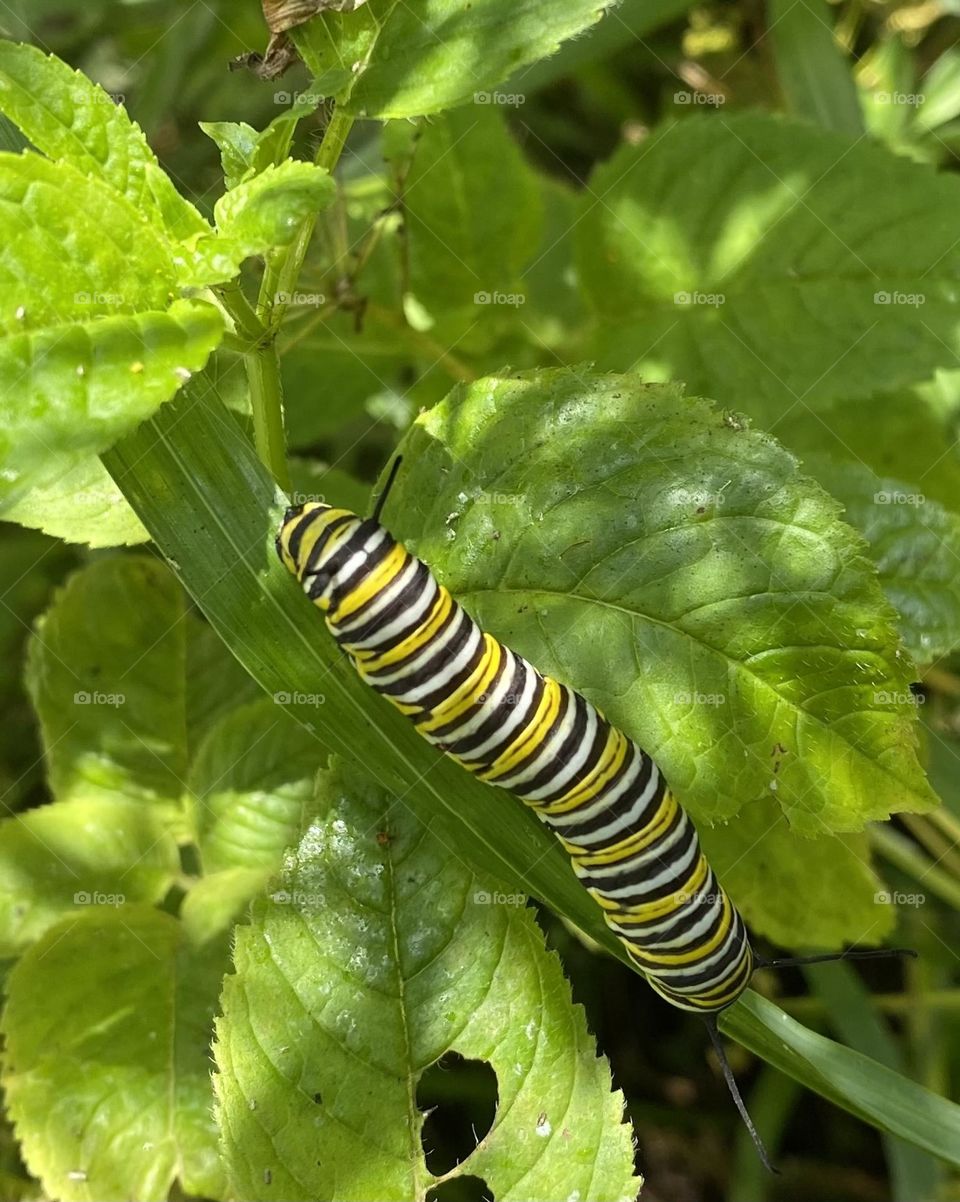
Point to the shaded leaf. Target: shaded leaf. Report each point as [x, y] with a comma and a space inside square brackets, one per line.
[916, 545]
[869, 1090]
[110, 694]
[802, 267]
[767, 868]
[251, 779]
[108, 1082]
[58, 859]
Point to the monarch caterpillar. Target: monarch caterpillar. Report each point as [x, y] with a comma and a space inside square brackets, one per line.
[631, 844]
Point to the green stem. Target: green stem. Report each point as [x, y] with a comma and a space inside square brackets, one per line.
[266, 400]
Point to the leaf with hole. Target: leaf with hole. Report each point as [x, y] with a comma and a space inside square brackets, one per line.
[379, 952]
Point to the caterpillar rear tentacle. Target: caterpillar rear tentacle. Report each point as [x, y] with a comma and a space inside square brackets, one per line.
[631, 844]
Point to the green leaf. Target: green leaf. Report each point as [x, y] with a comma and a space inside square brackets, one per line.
[218, 901]
[461, 52]
[88, 383]
[940, 91]
[260, 214]
[245, 151]
[82, 506]
[625, 24]
[67, 117]
[916, 545]
[95, 257]
[31, 567]
[333, 1016]
[739, 619]
[812, 68]
[869, 1090]
[766, 867]
[788, 229]
[106, 675]
[108, 1081]
[216, 683]
[251, 779]
[60, 266]
[97, 852]
[893, 433]
[473, 212]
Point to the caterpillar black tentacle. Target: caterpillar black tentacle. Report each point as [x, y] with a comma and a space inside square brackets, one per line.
[631, 844]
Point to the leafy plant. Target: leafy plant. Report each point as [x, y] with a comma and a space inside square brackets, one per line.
[715, 490]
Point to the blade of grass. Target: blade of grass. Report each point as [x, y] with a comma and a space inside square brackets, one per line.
[814, 75]
[869, 1090]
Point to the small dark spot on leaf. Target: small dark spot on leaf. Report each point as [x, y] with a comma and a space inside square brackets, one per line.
[383, 838]
[267, 1177]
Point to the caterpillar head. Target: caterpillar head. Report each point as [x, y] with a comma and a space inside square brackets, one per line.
[309, 538]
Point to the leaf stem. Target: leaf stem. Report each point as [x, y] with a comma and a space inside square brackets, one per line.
[266, 401]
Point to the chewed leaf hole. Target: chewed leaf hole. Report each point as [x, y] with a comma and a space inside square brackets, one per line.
[460, 1098]
[461, 1189]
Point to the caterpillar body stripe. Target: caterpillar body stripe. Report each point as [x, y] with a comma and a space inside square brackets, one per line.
[631, 844]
